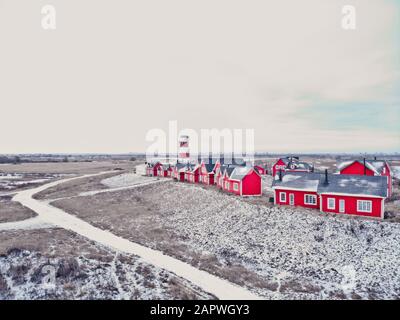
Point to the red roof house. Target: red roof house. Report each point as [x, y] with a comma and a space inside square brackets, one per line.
[207, 172]
[243, 181]
[343, 194]
[152, 169]
[369, 168]
[291, 164]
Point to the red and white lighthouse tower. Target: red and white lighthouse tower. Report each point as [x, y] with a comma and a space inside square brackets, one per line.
[184, 154]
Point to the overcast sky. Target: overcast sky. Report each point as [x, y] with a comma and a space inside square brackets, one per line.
[112, 70]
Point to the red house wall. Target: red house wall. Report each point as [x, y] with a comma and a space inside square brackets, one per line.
[298, 198]
[356, 168]
[275, 167]
[251, 185]
[351, 205]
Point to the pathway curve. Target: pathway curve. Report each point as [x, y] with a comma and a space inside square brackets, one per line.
[221, 288]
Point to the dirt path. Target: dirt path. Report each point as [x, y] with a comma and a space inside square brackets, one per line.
[222, 289]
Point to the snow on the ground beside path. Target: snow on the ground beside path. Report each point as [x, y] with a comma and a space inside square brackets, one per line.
[316, 252]
[22, 275]
[28, 224]
[126, 180]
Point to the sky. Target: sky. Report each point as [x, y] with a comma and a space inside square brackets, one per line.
[112, 71]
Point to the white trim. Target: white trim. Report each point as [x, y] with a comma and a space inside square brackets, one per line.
[344, 206]
[351, 195]
[314, 196]
[334, 204]
[366, 202]
[280, 197]
[294, 189]
[291, 195]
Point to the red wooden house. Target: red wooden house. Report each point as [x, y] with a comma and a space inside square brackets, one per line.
[152, 169]
[344, 194]
[178, 172]
[353, 194]
[165, 171]
[291, 164]
[243, 181]
[261, 170]
[297, 189]
[369, 168]
[207, 172]
[192, 173]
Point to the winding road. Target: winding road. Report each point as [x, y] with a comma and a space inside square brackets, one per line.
[49, 214]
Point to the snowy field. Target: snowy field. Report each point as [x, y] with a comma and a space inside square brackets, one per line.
[126, 180]
[298, 254]
[82, 270]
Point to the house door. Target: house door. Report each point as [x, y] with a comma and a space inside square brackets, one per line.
[291, 199]
[341, 206]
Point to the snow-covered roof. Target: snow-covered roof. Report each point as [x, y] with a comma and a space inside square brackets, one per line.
[374, 165]
[240, 172]
[341, 184]
[298, 180]
[354, 185]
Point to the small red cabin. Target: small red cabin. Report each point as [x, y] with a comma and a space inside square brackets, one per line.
[207, 173]
[153, 169]
[261, 170]
[243, 181]
[291, 164]
[343, 194]
[369, 168]
[192, 174]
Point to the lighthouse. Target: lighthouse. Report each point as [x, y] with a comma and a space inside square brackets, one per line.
[184, 154]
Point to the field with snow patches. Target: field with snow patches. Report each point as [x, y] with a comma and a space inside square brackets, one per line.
[277, 252]
[81, 269]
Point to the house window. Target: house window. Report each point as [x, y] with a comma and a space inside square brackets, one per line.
[364, 206]
[341, 206]
[205, 179]
[331, 203]
[282, 197]
[310, 199]
[291, 199]
[235, 187]
[226, 185]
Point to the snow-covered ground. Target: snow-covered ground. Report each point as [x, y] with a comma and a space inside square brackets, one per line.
[126, 180]
[320, 256]
[23, 272]
[209, 283]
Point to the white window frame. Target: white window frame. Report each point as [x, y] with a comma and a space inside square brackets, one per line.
[366, 203]
[227, 185]
[235, 186]
[329, 204]
[282, 199]
[313, 196]
[291, 199]
[342, 209]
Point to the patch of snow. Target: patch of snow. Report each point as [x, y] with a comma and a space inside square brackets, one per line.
[222, 289]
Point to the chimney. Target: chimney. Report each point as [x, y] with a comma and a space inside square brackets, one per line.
[326, 182]
[280, 174]
[365, 168]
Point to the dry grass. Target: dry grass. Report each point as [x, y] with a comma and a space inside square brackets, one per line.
[68, 167]
[14, 211]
